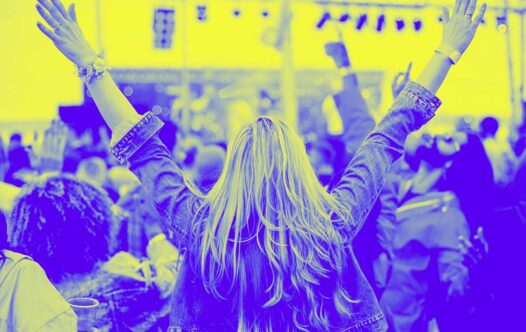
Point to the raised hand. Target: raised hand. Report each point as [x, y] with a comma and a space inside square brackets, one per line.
[65, 32]
[53, 145]
[338, 52]
[400, 81]
[475, 251]
[460, 28]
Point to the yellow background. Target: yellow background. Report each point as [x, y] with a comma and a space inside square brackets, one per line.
[36, 78]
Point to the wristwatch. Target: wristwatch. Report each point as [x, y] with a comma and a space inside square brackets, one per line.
[448, 51]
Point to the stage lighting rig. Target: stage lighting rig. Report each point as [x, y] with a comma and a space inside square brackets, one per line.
[381, 23]
[417, 24]
[326, 17]
[400, 24]
[502, 23]
[201, 13]
[344, 18]
[362, 20]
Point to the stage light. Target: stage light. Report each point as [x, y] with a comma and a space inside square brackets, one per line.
[380, 24]
[400, 24]
[362, 20]
[417, 24]
[344, 18]
[502, 23]
[164, 27]
[265, 13]
[237, 12]
[324, 19]
[201, 13]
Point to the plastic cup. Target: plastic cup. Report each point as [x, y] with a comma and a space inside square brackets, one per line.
[86, 309]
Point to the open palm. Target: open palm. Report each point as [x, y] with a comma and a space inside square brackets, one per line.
[65, 31]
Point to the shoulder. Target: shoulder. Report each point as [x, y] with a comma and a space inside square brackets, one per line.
[13, 264]
[33, 300]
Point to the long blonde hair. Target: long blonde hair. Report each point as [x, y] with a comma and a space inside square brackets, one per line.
[270, 241]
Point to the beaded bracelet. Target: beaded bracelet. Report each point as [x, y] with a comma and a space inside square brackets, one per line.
[93, 72]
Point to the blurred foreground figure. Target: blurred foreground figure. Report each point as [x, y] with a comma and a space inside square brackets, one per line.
[28, 301]
[502, 157]
[64, 224]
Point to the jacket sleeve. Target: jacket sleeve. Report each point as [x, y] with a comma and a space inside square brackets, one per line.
[162, 179]
[364, 177]
[356, 119]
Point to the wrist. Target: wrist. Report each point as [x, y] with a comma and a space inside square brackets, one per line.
[449, 52]
[95, 69]
[87, 60]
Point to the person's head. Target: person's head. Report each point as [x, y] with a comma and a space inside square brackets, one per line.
[93, 170]
[15, 140]
[271, 233]
[470, 176]
[489, 126]
[434, 151]
[466, 168]
[62, 223]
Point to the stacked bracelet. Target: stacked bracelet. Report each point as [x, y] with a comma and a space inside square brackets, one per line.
[94, 71]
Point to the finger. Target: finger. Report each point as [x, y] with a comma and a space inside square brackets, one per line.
[445, 15]
[397, 77]
[408, 71]
[462, 249]
[61, 9]
[45, 15]
[50, 34]
[457, 6]
[73, 13]
[463, 7]
[53, 11]
[465, 242]
[471, 7]
[483, 241]
[480, 16]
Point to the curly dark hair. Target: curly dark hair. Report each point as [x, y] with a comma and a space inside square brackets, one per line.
[63, 224]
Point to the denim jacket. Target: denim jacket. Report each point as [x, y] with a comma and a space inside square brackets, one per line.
[196, 310]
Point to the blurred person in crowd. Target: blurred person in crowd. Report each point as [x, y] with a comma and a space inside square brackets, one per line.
[84, 143]
[348, 123]
[19, 161]
[246, 241]
[505, 236]
[122, 180]
[94, 170]
[428, 278]
[502, 157]
[64, 224]
[4, 160]
[28, 300]
[141, 222]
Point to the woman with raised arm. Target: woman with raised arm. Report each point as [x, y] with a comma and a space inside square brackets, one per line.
[267, 248]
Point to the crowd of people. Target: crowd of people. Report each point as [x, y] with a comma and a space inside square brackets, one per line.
[392, 227]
